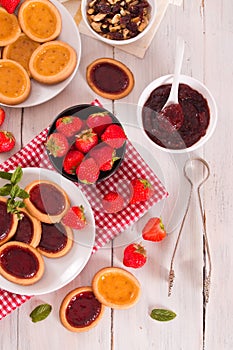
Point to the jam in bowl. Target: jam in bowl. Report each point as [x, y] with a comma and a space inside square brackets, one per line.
[166, 129]
[86, 143]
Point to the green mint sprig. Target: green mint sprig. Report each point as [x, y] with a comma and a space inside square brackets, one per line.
[13, 191]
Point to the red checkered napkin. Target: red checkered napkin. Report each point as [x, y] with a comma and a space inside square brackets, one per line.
[108, 226]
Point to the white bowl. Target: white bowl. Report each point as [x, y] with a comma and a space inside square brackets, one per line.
[120, 42]
[196, 85]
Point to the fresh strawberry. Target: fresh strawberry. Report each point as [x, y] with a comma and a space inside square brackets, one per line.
[113, 202]
[134, 255]
[7, 141]
[2, 116]
[154, 230]
[141, 190]
[72, 161]
[69, 125]
[98, 122]
[86, 140]
[75, 218]
[114, 136]
[104, 155]
[9, 5]
[57, 145]
[88, 171]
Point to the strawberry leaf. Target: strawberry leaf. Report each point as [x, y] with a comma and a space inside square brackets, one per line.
[162, 315]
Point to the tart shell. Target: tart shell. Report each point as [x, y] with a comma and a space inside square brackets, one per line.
[17, 280]
[35, 32]
[118, 64]
[13, 227]
[49, 219]
[65, 304]
[116, 288]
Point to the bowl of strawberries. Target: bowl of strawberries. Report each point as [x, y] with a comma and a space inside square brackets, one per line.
[86, 143]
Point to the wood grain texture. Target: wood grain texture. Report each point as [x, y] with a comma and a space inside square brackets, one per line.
[207, 27]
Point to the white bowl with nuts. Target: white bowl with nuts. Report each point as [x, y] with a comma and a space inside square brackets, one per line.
[119, 22]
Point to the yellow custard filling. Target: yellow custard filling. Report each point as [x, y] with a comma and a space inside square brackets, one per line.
[13, 82]
[117, 288]
[40, 19]
[51, 60]
[9, 25]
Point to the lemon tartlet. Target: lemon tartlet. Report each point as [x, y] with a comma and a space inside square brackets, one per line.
[9, 28]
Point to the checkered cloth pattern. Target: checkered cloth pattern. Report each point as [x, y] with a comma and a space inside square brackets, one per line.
[108, 226]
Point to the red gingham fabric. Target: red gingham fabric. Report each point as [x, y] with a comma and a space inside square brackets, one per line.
[108, 226]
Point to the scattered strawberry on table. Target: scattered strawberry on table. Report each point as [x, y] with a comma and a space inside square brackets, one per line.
[7, 141]
[9, 5]
[113, 202]
[134, 255]
[69, 125]
[141, 190]
[154, 230]
[2, 116]
[75, 218]
[57, 145]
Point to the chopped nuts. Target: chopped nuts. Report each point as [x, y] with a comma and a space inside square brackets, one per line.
[118, 19]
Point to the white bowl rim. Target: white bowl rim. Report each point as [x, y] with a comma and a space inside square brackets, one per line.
[153, 4]
[196, 85]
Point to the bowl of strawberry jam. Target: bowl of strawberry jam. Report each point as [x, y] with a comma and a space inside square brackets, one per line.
[92, 150]
[184, 127]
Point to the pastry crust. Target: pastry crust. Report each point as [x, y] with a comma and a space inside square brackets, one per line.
[13, 227]
[40, 20]
[52, 62]
[50, 219]
[65, 250]
[65, 304]
[20, 51]
[36, 229]
[117, 288]
[109, 95]
[9, 28]
[15, 85]
[22, 281]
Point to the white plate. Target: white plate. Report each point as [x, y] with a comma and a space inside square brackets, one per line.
[59, 271]
[41, 93]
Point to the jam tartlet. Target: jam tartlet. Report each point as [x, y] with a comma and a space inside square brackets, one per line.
[20, 51]
[53, 62]
[15, 85]
[8, 222]
[47, 201]
[81, 310]
[9, 28]
[21, 263]
[56, 240]
[28, 229]
[40, 20]
[116, 288]
[110, 78]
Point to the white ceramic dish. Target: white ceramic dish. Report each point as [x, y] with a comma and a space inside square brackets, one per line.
[60, 271]
[41, 93]
[120, 42]
[196, 85]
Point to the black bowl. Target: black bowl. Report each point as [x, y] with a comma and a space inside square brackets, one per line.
[83, 111]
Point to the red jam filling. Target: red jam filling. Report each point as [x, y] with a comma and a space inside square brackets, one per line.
[109, 78]
[53, 238]
[24, 232]
[47, 199]
[195, 112]
[19, 262]
[83, 309]
[6, 221]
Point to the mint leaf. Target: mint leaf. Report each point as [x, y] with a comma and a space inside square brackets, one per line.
[40, 312]
[162, 315]
[5, 175]
[14, 191]
[5, 190]
[17, 175]
[23, 194]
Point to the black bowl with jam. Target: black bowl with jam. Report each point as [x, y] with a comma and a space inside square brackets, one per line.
[83, 111]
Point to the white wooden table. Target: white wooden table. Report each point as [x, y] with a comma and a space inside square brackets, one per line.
[206, 26]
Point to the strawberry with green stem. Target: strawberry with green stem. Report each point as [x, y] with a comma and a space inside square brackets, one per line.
[69, 125]
[99, 121]
[75, 218]
[86, 140]
[113, 202]
[154, 230]
[57, 145]
[104, 155]
[7, 141]
[134, 255]
[141, 190]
